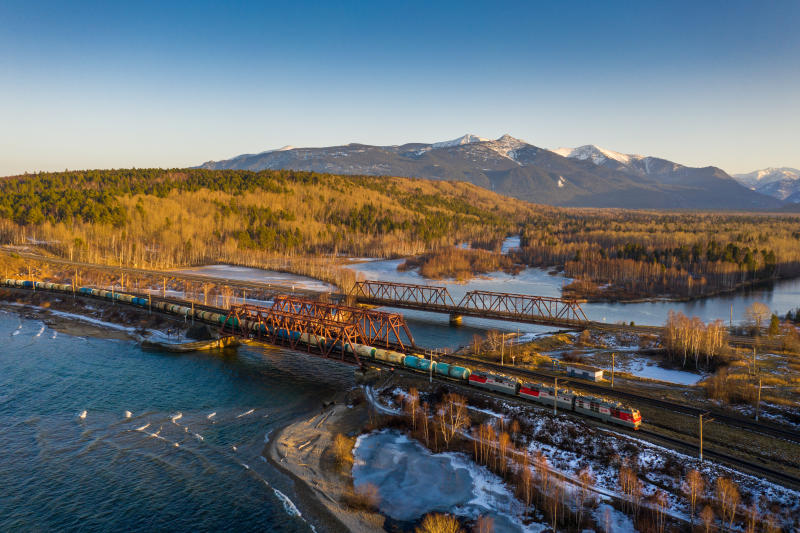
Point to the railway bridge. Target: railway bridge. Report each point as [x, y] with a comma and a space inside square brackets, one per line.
[544, 310]
[318, 327]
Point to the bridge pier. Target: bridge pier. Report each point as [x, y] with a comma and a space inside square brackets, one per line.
[455, 320]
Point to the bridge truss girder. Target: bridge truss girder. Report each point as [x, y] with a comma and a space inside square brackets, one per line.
[403, 292]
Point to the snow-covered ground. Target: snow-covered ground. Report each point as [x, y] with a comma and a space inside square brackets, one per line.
[570, 445]
[643, 367]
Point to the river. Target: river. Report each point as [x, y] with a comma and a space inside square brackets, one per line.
[188, 457]
[433, 330]
[780, 297]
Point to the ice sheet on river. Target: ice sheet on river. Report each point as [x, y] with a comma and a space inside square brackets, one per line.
[260, 276]
[412, 482]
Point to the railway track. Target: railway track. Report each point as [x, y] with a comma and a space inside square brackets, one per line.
[720, 416]
[276, 288]
[754, 468]
[747, 466]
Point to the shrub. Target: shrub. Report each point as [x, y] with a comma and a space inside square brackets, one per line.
[343, 449]
[366, 497]
[439, 523]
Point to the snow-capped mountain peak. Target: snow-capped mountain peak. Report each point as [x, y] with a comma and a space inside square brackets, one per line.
[464, 139]
[782, 183]
[759, 178]
[506, 145]
[596, 154]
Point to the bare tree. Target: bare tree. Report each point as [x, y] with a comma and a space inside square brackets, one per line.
[411, 403]
[452, 416]
[757, 315]
[752, 517]
[661, 503]
[424, 418]
[504, 445]
[526, 479]
[693, 487]
[728, 497]
[707, 516]
[583, 495]
[630, 486]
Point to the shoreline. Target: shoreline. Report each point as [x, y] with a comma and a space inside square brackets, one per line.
[298, 450]
[317, 511]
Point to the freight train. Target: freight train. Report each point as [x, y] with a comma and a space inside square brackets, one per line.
[603, 409]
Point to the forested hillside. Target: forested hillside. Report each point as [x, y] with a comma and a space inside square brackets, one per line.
[619, 254]
[165, 218]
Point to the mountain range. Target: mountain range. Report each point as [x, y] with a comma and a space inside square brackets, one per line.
[587, 176]
[781, 183]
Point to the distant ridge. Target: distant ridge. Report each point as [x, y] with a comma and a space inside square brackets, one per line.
[587, 176]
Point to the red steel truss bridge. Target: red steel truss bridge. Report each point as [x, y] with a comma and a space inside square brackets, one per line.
[482, 304]
[319, 327]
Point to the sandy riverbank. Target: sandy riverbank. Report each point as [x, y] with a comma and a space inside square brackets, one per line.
[301, 450]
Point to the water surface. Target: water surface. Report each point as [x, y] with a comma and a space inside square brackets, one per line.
[188, 458]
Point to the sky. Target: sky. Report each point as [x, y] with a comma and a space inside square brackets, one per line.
[174, 84]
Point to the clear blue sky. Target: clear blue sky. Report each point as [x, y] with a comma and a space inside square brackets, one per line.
[106, 85]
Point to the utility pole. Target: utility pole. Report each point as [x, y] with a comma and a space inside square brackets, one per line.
[555, 397]
[149, 301]
[502, 347]
[613, 356]
[430, 375]
[758, 402]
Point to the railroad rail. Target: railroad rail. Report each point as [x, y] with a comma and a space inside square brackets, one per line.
[721, 416]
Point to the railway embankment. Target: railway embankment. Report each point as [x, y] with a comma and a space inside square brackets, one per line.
[81, 316]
